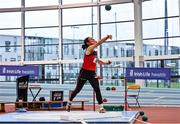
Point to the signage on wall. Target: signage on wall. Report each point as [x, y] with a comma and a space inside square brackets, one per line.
[19, 70]
[148, 73]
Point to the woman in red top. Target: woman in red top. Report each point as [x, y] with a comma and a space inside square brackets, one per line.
[88, 70]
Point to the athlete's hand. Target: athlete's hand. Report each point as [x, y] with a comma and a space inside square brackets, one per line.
[109, 62]
[109, 36]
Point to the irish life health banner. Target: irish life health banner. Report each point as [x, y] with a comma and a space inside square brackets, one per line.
[148, 73]
[19, 70]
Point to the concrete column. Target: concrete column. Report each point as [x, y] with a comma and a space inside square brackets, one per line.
[60, 45]
[179, 15]
[138, 37]
[99, 70]
[22, 31]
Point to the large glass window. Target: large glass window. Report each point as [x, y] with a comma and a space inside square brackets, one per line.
[40, 2]
[153, 28]
[75, 16]
[78, 24]
[7, 46]
[156, 28]
[161, 23]
[13, 32]
[76, 1]
[10, 20]
[173, 26]
[117, 49]
[152, 45]
[70, 75]
[153, 9]
[73, 51]
[41, 18]
[118, 12]
[10, 3]
[157, 8]
[160, 42]
[44, 37]
[41, 48]
[10, 45]
[119, 31]
[42, 32]
[119, 22]
[173, 7]
[73, 39]
[79, 33]
[48, 74]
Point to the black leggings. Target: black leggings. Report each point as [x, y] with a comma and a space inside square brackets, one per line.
[83, 77]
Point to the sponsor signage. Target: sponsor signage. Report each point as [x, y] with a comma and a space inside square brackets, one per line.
[56, 95]
[148, 73]
[22, 88]
[19, 70]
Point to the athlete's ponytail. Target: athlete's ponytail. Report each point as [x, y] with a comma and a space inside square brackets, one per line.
[84, 46]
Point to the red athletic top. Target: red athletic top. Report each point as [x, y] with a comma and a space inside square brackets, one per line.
[89, 62]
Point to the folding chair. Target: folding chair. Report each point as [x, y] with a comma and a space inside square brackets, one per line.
[133, 92]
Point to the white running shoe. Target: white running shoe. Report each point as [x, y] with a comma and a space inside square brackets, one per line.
[102, 110]
[68, 107]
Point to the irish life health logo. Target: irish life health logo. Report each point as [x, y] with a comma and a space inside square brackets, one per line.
[148, 73]
[131, 73]
[4, 70]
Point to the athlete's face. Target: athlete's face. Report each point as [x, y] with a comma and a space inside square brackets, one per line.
[91, 41]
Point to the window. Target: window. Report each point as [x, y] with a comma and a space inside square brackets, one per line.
[12, 59]
[15, 47]
[10, 20]
[54, 67]
[19, 58]
[7, 46]
[10, 3]
[122, 52]
[66, 50]
[148, 65]
[48, 76]
[8, 78]
[29, 3]
[107, 51]
[156, 52]
[149, 53]
[115, 48]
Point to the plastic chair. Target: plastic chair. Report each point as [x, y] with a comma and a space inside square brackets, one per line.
[133, 92]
